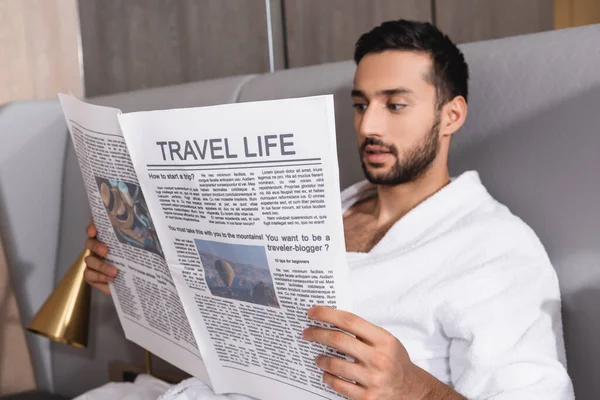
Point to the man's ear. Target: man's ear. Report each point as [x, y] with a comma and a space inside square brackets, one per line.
[453, 116]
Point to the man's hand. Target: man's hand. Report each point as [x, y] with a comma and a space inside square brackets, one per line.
[382, 368]
[98, 273]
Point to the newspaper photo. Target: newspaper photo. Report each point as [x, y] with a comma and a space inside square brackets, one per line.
[144, 294]
[228, 220]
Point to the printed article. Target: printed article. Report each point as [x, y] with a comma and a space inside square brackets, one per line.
[245, 199]
[226, 225]
[145, 296]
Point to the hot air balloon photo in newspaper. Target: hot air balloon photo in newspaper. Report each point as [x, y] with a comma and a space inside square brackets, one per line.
[237, 271]
[225, 271]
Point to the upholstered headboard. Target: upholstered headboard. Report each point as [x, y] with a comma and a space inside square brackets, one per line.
[533, 133]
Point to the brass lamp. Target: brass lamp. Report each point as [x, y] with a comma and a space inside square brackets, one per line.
[65, 315]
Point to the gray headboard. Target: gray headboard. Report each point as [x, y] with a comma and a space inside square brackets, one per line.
[533, 133]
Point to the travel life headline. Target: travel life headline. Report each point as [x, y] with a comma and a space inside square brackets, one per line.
[222, 148]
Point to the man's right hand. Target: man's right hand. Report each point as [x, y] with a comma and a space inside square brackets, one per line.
[98, 273]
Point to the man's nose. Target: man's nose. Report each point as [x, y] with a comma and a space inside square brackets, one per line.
[372, 122]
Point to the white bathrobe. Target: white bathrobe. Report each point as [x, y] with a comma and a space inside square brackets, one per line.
[469, 290]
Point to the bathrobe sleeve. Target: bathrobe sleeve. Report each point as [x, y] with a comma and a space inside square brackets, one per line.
[504, 325]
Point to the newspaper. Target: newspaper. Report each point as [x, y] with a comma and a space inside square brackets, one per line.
[145, 297]
[240, 232]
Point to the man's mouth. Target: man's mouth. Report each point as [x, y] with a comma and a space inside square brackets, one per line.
[377, 154]
[374, 149]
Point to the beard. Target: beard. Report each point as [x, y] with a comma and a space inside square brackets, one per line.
[415, 162]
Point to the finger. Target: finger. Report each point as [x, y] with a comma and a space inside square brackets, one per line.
[98, 265]
[96, 247]
[91, 230]
[348, 389]
[103, 287]
[348, 322]
[338, 340]
[92, 276]
[342, 368]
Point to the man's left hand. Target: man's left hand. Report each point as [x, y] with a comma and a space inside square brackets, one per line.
[382, 368]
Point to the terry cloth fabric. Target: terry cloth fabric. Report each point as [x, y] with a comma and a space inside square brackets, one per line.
[469, 290]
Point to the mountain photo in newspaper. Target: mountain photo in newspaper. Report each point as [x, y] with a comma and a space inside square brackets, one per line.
[237, 272]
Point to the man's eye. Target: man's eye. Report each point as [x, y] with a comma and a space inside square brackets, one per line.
[359, 107]
[396, 107]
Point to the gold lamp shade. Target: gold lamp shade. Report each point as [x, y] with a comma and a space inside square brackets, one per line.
[64, 317]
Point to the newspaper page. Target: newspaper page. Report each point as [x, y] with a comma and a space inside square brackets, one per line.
[246, 201]
[144, 294]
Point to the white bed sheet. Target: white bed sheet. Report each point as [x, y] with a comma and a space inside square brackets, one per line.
[145, 387]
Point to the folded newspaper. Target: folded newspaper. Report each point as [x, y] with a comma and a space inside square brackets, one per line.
[226, 225]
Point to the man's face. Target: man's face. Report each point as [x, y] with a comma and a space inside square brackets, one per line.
[395, 118]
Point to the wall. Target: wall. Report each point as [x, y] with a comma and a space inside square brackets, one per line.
[135, 44]
[39, 49]
[325, 31]
[570, 13]
[475, 20]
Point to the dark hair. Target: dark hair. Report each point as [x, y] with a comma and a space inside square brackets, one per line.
[450, 73]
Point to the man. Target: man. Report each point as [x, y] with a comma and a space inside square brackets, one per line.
[470, 304]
